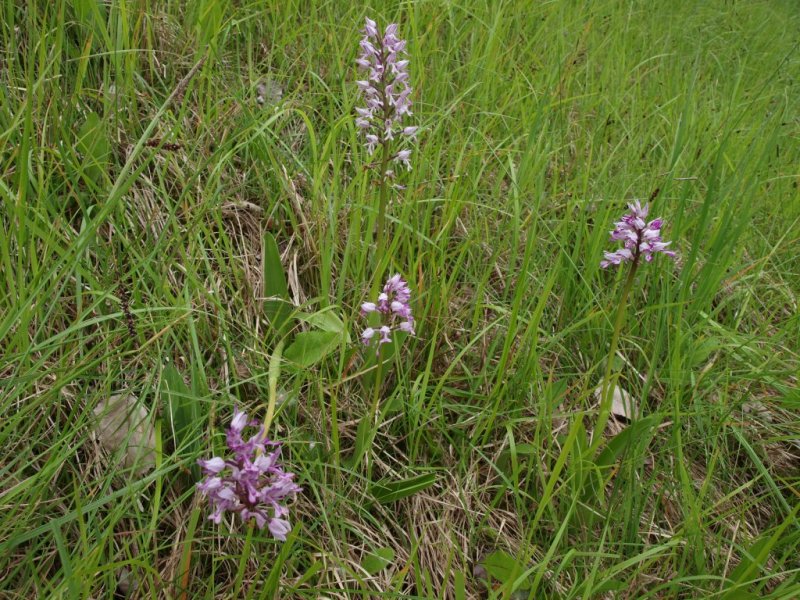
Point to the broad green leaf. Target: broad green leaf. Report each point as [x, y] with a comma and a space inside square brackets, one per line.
[752, 560]
[555, 391]
[184, 413]
[274, 374]
[637, 432]
[310, 347]
[750, 568]
[94, 147]
[363, 438]
[741, 595]
[527, 450]
[326, 320]
[611, 585]
[385, 492]
[501, 566]
[521, 451]
[309, 574]
[460, 585]
[703, 349]
[277, 306]
[378, 560]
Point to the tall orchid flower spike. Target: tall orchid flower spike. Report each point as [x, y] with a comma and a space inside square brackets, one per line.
[251, 482]
[386, 93]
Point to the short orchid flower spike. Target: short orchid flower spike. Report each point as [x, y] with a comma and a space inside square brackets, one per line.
[640, 239]
[395, 309]
[251, 482]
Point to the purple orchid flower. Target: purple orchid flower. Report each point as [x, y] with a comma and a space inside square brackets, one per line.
[252, 482]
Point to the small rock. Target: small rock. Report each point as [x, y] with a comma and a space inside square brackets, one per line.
[122, 423]
[622, 404]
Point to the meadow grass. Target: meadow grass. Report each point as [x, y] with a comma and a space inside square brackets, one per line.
[163, 230]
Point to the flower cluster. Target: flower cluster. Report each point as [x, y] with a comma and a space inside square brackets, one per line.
[252, 482]
[639, 238]
[386, 91]
[393, 305]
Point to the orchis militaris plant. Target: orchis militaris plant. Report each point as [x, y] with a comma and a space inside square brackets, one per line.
[394, 310]
[386, 92]
[251, 482]
[641, 239]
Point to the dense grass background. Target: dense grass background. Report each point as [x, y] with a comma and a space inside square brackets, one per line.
[138, 201]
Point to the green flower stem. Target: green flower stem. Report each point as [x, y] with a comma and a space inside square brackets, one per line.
[608, 385]
[374, 411]
[274, 372]
[383, 200]
[245, 555]
[182, 584]
[368, 425]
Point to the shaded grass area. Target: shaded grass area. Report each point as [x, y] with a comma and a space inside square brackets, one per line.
[142, 180]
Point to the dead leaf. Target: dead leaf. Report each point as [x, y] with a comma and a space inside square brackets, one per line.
[268, 92]
[757, 409]
[622, 404]
[123, 424]
[230, 209]
[126, 584]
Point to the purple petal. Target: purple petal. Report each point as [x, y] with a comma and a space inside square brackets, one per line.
[213, 465]
[367, 335]
[239, 421]
[279, 529]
